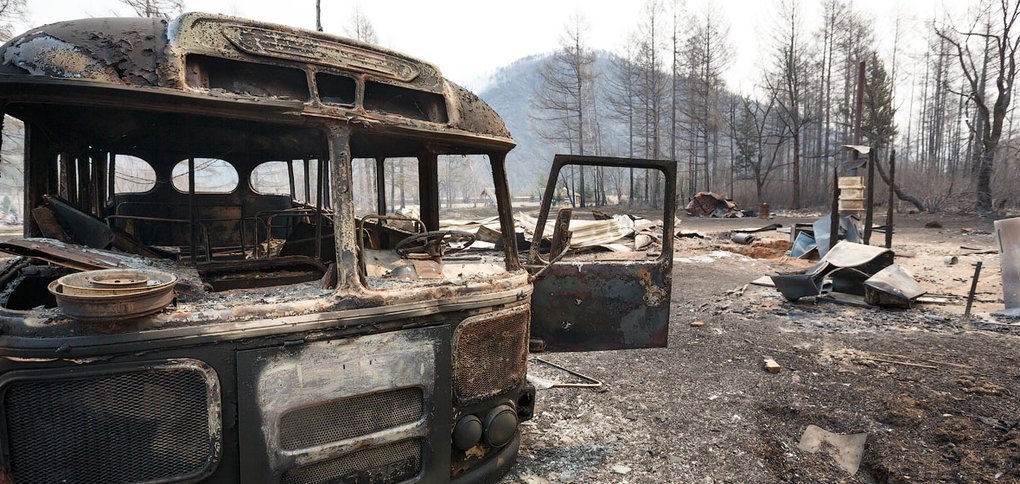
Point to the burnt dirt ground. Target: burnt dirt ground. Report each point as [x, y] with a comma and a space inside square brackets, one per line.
[936, 394]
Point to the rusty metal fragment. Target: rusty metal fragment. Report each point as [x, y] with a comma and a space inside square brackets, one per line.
[893, 286]
[113, 294]
[847, 265]
[59, 253]
[743, 238]
[812, 240]
[708, 204]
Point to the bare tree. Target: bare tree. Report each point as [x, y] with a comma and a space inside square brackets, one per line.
[360, 28]
[971, 46]
[707, 53]
[567, 94]
[11, 11]
[651, 93]
[621, 97]
[787, 81]
[760, 137]
[155, 8]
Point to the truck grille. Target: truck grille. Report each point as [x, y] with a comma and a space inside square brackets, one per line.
[350, 417]
[124, 425]
[490, 354]
[391, 463]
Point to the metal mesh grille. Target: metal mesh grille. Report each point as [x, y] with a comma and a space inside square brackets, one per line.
[345, 418]
[490, 355]
[391, 463]
[127, 427]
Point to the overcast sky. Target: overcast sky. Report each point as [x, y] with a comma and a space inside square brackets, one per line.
[468, 40]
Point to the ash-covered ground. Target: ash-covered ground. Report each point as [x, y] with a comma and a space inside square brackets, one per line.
[936, 394]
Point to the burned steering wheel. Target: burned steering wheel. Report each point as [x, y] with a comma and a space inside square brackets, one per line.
[435, 243]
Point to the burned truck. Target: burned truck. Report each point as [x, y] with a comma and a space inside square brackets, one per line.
[168, 317]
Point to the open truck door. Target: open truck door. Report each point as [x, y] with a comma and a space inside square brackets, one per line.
[608, 300]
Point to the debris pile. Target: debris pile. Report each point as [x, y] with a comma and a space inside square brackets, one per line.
[612, 233]
[856, 270]
[708, 204]
[811, 241]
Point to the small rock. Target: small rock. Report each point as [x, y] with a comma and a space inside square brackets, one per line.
[697, 323]
[621, 469]
[772, 366]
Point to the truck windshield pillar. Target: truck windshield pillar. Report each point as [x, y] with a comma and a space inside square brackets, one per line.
[380, 185]
[428, 188]
[503, 202]
[343, 213]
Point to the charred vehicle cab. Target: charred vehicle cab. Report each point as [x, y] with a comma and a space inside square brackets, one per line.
[304, 343]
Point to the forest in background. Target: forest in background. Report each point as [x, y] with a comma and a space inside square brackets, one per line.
[944, 108]
[662, 95]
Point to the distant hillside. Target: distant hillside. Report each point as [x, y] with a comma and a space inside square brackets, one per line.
[511, 92]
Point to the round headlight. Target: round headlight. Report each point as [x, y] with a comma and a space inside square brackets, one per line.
[467, 432]
[500, 426]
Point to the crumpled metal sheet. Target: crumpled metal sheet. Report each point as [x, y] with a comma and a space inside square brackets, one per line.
[584, 233]
[848, 265]
[1007, 232]
[803, 246]
[893, 286]
[847, 231]
[806, 244]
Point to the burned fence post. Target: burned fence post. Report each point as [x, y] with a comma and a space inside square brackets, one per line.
[892, 199]
[973, 289]
[869, 201]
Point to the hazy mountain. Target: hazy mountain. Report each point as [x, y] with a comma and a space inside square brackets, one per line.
[511, 92]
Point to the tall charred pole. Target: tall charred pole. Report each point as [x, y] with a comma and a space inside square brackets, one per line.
[869, 197]
[318, 15]
[892, 199]
[859, 107]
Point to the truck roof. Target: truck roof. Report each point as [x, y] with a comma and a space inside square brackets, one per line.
[219, 59]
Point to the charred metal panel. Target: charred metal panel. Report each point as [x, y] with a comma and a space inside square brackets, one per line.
[604, 305]
[475, 115]
[244, 39]
[121, 50]
[347, 378]
[152, 421]
[490, 354]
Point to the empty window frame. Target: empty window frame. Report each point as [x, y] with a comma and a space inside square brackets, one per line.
[212, 175]
[132, 175]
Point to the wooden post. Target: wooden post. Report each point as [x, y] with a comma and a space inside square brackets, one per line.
[858, 112]
[973, 289]
[892, 199]
[834, 215]
[869, 197]
[859, 107]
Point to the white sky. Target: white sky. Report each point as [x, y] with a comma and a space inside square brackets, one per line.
[468, 40]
